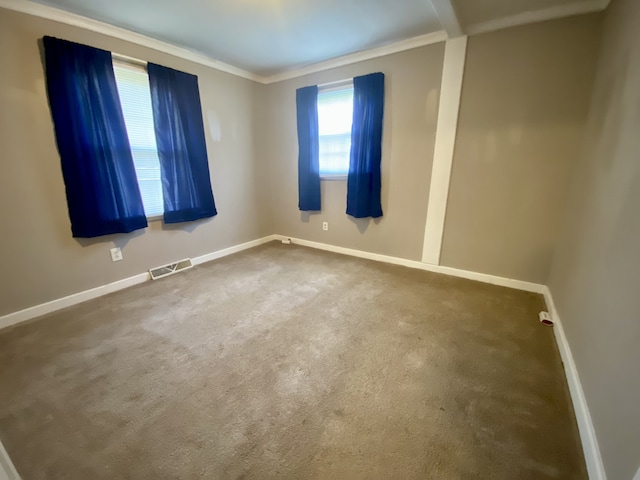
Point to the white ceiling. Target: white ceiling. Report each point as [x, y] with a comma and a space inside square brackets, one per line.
[267, 37]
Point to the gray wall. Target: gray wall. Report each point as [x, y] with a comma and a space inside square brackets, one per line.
[40, 260]
[524, 105]
[412, 80]
[595, 277]
[523, 110]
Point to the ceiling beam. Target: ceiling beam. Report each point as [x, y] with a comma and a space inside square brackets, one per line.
[448, 17]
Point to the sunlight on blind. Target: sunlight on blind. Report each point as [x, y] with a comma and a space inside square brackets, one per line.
[135, 98]
[335, 113]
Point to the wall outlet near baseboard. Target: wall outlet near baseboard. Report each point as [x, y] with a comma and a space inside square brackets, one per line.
[116, 254]
[325, 226]
[545, 319]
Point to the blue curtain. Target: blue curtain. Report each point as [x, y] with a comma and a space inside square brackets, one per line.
[364, 182]
[308, 149]
[184, 165]
[100, 179]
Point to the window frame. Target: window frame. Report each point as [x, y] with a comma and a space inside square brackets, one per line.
[134, 63]
[332, 87]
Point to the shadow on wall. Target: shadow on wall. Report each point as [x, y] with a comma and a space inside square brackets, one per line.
[188, 227]
[305, 217]
[363, 223]
[120, 240]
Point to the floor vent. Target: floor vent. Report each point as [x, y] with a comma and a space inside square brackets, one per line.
[170, 269]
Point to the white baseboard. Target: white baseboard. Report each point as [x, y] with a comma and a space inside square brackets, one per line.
[585, 425]
[235, 249]
[480, 277]
[590, 447]
[69, 300]
[7, 470]
[588, 438]
[74, 299]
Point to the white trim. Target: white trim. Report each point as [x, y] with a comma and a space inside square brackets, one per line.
[401, 46]
[130, 62]
[534, 16]
[446, 18]
[450, 95]
[231, 250]
[446, 13]
[335, 86]
[585, 425]
[7, 470]
[590, 447]
[68, 18]
[591, 450]
[637, 475]
[74, 299]
[454, 272]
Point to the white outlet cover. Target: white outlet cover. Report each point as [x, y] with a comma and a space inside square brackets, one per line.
[545, 319]
[116, 254]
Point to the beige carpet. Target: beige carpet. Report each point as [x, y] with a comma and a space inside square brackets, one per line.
[286, 362]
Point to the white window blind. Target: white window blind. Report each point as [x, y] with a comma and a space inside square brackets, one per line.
[335, 114]
[135, 98]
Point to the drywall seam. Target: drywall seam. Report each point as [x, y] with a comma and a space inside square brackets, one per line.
[480, 277]
[450, 94]
[74, 299]
[560, 11]
[7, 470]
[591, 450]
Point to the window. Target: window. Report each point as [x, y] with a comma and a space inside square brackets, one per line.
[335, 114]
[135, 98]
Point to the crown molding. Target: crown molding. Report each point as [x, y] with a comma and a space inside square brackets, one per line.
[75, 20]
[552, 13]
[408, 44]
[68, 18]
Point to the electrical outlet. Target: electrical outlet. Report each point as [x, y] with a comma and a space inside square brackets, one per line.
[116, 254]
[325, 226]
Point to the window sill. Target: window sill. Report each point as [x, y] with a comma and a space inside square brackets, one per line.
[155, 218]
[333, 177]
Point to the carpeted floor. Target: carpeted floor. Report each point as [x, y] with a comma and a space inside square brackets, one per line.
[291, 363]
